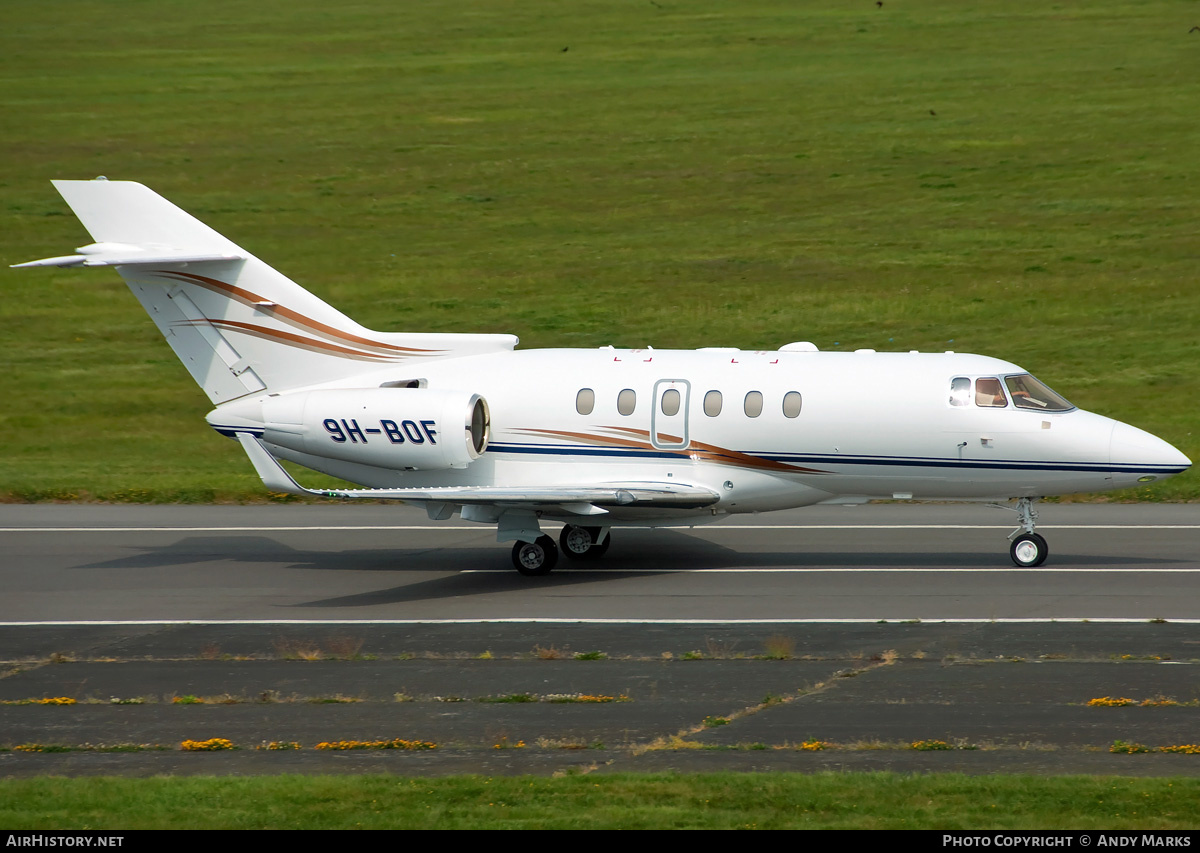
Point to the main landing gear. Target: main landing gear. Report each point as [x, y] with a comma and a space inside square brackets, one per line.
[539, 557]
[1028, 549]
[534, 559]
[584, 543]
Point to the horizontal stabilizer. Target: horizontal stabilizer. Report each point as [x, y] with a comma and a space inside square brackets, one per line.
[127, 213]
[666, 495]
[124, 254]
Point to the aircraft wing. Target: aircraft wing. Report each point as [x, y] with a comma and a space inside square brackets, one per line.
[579, 500]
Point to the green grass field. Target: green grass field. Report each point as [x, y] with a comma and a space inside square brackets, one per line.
[619, 801]
[1006, 177]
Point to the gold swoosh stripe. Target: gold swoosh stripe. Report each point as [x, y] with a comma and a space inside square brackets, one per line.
[697, 450]
[250, 298]
[701, 451]
[289, 339]
[595, 440]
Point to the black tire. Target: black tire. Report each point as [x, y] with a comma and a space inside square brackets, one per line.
[576, 542]
[534, 559]
[572, 536]
[1029, 550]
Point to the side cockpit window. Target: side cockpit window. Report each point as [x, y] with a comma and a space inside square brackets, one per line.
[960, 391]
[989, 393]
[1029, 393]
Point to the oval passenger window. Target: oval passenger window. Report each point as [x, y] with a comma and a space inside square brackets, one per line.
[753, 404]
[792, 402]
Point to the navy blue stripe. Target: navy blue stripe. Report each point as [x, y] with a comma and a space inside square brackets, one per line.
[933, 462]
[892, 461]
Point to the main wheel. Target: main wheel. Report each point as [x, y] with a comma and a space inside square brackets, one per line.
[535, 558]
[579, 543]
[575, 542]
[1029, 550]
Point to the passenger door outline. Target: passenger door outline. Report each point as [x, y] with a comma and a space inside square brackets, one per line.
[670, 432]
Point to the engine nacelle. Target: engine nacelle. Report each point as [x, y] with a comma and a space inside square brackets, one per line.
[414, 428]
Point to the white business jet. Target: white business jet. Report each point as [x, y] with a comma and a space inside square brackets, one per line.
[593, 439]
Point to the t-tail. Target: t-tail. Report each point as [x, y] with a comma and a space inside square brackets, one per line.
[239, 326]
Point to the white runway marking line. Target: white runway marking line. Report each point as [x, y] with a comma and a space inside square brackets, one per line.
[225, 529]
[722, 529]
[750, 570]
[524, 620]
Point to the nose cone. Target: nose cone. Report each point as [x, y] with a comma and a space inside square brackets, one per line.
[1141, 455]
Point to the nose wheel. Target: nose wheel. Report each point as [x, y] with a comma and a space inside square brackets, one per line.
[1029, 550]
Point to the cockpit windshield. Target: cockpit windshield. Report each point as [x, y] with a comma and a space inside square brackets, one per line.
[1029, 393]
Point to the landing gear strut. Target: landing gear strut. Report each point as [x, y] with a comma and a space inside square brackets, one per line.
[1028, 549]
[534, 559]
[584, 543]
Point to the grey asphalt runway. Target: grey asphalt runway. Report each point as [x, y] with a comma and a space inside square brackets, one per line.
[868, 628]
[371, 562]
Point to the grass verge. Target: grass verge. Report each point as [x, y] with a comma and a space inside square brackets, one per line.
[659, 801]
[1006, 177]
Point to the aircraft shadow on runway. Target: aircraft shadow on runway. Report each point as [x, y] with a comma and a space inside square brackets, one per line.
[483, 571]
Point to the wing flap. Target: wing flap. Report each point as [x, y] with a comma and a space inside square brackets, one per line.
[576, 498]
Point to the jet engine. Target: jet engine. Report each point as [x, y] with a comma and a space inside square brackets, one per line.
[399, 428]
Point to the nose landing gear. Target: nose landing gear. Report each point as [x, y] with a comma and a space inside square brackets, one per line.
[1028, 549]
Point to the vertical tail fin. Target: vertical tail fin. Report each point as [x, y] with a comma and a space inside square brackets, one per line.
[238, 325]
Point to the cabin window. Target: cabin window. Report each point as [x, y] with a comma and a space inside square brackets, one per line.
[960, 391]
[712, 403]
[670, 402]
[626, 401]
[753, 404]
[585, 401]
[1029, 393]
[989, 393]
[792, 402]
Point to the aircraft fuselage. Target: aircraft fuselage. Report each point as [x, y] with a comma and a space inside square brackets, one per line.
[764, 430]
